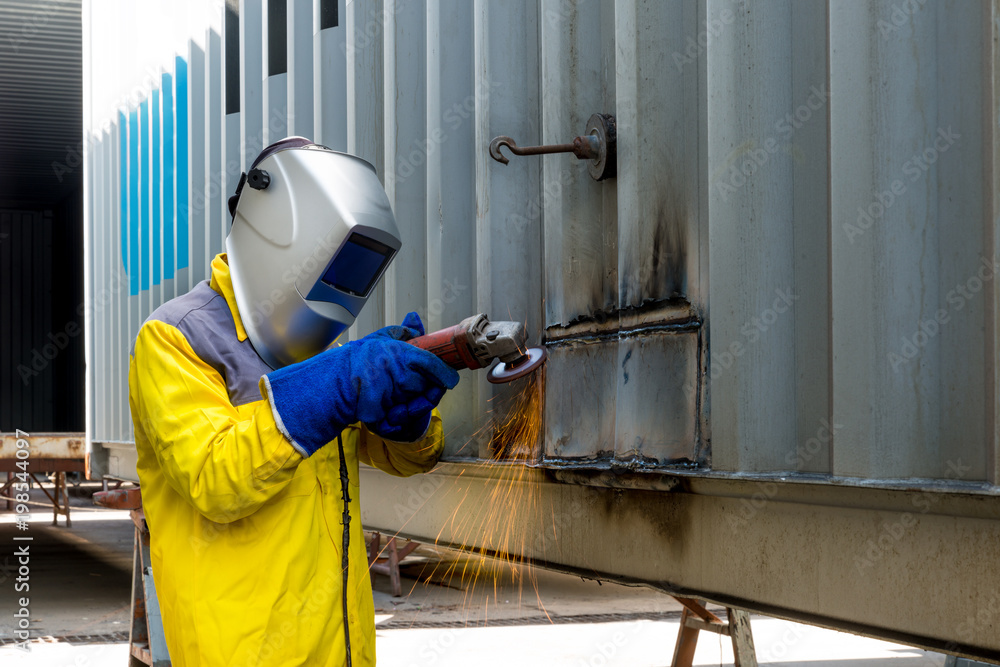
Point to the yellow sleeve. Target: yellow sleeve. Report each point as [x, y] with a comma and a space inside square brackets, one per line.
[403, 459]
[225, 464]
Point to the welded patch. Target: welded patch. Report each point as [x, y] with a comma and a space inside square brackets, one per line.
[627, 401]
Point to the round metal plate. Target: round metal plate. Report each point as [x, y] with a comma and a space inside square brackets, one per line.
[603, 126]
[533, 358]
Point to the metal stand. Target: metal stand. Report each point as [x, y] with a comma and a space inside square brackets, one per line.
[59, 496]
[388, 565]
[696, 618]
[147, 644]
[7, 491]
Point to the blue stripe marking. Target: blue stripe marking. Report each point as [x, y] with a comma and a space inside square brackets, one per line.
[157, 182]
[168, 177]
[145, 237]
[123, 188]
[183, 244]
[133, 202]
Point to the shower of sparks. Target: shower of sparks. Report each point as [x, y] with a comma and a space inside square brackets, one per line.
[504, 521]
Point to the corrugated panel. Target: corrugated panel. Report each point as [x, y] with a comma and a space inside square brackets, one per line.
[743, 297]
[41, 349]
[41, 228]
[40, 100]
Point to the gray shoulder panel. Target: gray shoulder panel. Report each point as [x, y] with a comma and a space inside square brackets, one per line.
[203, 316]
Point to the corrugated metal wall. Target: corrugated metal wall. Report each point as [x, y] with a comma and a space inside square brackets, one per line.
[42, 385]
[787, 274]
[41, 310]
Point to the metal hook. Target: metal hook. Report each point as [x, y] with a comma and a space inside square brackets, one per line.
[585, 148]
[495, 146]
[597, 145]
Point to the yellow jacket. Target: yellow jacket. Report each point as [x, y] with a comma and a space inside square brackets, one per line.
[246, 533]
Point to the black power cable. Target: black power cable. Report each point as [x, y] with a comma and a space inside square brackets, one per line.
[345, 559]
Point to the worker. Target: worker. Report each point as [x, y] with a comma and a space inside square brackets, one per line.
[249, 424]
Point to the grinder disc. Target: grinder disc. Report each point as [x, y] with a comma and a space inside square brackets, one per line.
[533, 358]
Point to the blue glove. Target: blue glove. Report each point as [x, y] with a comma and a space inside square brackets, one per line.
[378, 380]
[411, 327]
[409, 417]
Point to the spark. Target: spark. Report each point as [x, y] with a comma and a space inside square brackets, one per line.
[502, 520]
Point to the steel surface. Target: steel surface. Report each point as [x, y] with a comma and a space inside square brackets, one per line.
[880, 562]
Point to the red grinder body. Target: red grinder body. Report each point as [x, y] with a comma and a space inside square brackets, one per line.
[475, 342]
[450, 346]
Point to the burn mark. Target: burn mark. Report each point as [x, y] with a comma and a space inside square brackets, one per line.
[614, 314]
[658, 253]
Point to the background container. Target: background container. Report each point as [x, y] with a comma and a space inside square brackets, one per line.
[773, 336]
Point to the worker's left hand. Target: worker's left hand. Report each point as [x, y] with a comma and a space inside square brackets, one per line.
[411, 327]
[406, 421]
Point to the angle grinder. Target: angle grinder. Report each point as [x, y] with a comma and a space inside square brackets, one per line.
[476, 341]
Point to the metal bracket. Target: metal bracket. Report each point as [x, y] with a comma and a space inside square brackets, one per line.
[599, 145]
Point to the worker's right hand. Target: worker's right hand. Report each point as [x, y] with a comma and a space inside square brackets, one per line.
[377, 380]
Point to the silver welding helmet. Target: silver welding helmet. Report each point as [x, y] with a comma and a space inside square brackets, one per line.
[312, 235]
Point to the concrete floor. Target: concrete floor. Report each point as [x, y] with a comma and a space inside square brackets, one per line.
[81, 579]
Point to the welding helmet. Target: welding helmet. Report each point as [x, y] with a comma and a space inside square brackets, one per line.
[312, 235]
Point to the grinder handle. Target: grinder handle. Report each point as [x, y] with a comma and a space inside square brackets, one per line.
[450, 345]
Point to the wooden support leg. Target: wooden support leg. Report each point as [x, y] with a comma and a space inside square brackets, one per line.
[138, 632]
[8, 491]
[397, 586]
[391, 556]
[696, 618]
[55, 497]
[65, 488]
[156, 649]
[687, 642]
[147, 643]
[739, 630]
[373, 554]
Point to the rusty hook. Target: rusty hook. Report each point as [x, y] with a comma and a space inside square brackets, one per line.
[499, 142]
[585, 148]
[598, 146]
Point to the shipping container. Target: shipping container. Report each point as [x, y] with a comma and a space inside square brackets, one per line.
[41, 221]
[772, 328]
